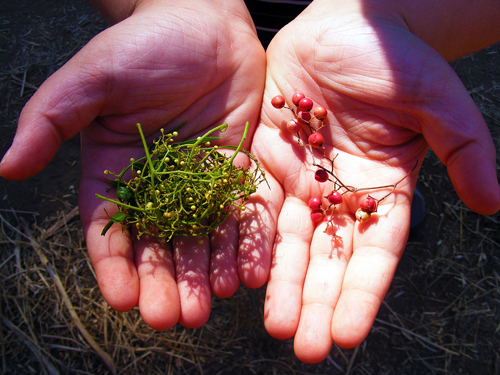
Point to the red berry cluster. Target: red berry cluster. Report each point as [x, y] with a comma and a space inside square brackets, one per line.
[304, 113]
[303, 117]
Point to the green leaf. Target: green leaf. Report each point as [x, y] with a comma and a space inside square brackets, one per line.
[115, 219]
[106, 227]
[118, 217]
[124, 193]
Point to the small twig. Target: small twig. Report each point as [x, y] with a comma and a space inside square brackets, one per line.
[467, 227]
[67, 302]
[351, 362]
[35, 349]
[26, 84]
[21, 93]
[425, 339]
[338, 367]
[63, 221]
[292, 371]
[342, 354]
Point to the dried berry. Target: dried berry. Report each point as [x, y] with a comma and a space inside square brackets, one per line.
[316, 140]
[320, 113]
[335, 197]
[316, 216]
[297, 97]
[304, 115]
[293, 126]
[369, 204]
[315, 203]
[321, 175]
[278, 101]
[362, 216]
[305, 104]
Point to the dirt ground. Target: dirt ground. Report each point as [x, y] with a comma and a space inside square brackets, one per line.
[441, 315]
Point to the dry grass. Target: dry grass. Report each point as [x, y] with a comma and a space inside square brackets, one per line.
[441, 315]
[55, 320]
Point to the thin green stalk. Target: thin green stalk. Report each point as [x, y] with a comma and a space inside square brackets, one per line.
[223, 127]
[119, 203]
[148, 157]
[241, 143]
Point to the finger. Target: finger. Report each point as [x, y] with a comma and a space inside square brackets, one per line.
[328, 261]
[159, 299]
[63, 105]
[459, 136]
[111, 255]
[290, 259]
[192, 262]
[377, 249]
[257, 234]
[224, 279]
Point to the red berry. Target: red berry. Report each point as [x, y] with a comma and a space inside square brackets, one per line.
[321, 175]
[304, 115]
[335, 197]
[278, 101]
[316, 216]
[297, 97]
[305, 104]
[320, 113]
[316, 140]
[369, 204]
[293, 126]
[362, 216]
[315, 203]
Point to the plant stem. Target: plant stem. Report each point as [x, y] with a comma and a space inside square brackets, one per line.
[118, 203]
[241, 143]
[148, 157]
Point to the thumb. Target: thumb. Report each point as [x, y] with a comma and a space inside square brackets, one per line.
[460, 138]
[63, 105]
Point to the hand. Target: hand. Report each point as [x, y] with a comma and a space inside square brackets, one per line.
[389, 97]
[166, 64]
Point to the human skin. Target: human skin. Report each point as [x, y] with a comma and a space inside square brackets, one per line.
[165, 63]
[381, 70]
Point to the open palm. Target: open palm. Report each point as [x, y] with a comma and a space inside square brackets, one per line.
[165, 65]
[389, 97]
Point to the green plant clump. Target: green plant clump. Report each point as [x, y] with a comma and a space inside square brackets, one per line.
[182, 189]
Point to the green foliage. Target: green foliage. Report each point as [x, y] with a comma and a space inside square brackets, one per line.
[182, 189]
